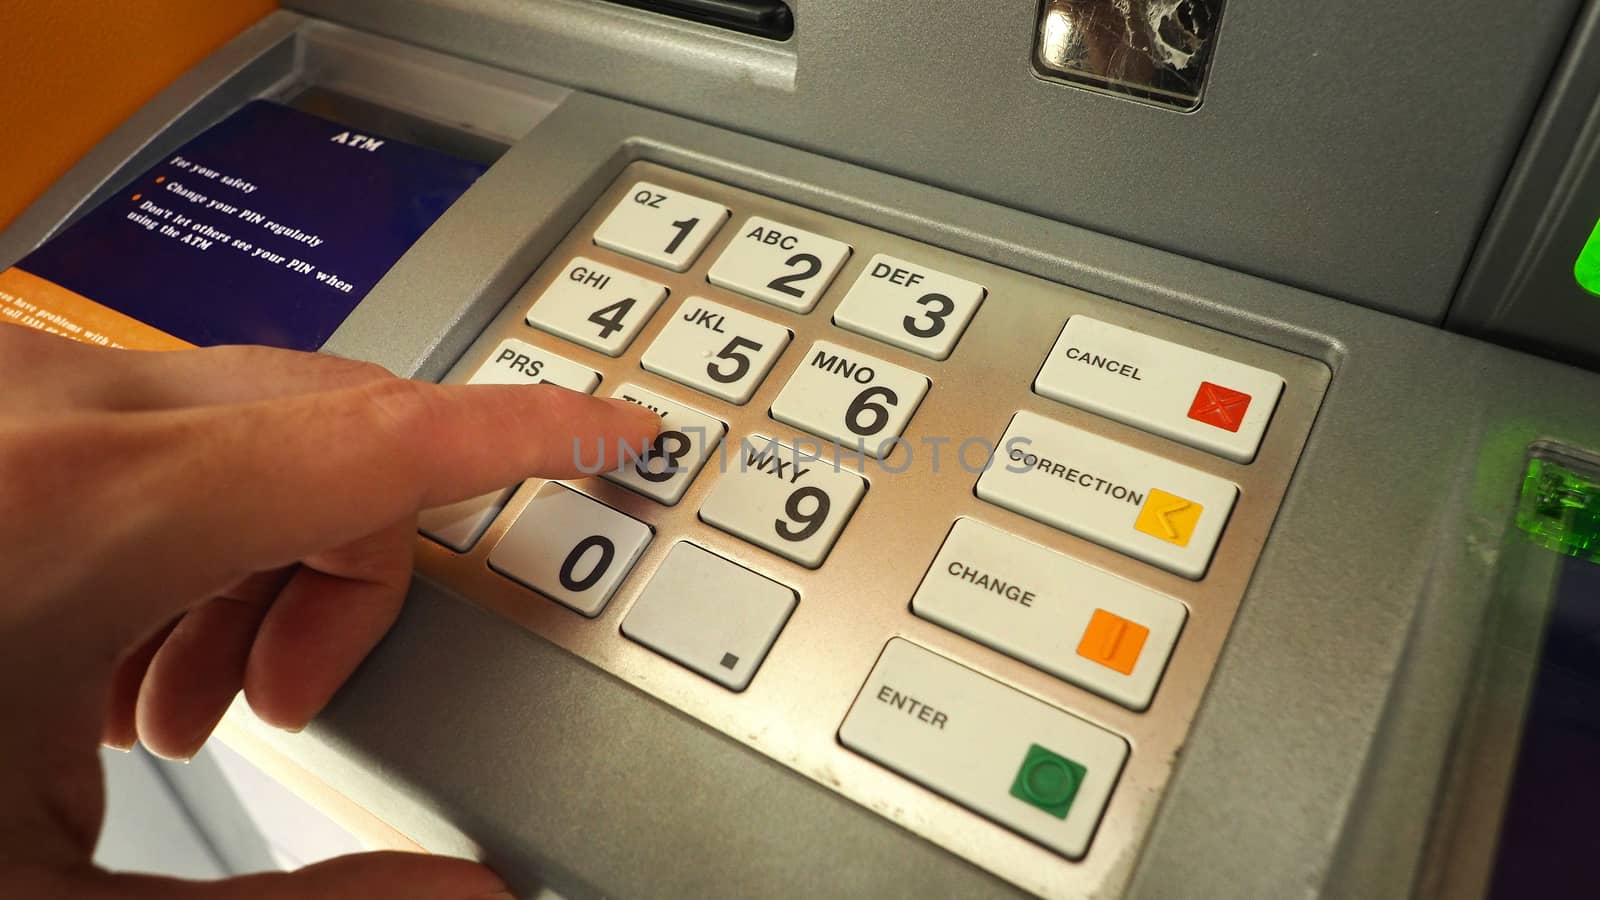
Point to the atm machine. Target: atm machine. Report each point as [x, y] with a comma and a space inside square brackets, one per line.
[1219, 391]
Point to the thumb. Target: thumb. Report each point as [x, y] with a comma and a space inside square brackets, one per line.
[390, 875]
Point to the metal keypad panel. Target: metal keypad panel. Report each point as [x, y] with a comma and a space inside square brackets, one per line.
[914, 499]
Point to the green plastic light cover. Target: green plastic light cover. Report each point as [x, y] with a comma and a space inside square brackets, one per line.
[1560, 503]
[1587, 268]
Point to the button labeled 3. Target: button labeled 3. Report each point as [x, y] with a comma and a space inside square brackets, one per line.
[910, 306]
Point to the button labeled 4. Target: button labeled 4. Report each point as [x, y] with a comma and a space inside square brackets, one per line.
[596, 305]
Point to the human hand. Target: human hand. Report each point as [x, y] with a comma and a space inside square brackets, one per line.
[176, 527]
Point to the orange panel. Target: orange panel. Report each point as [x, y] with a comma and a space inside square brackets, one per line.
[1113, 642]
[75, 69]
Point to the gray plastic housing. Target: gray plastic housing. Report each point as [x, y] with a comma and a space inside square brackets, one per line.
[1520, 288]
[1317, 759]
[1353, 148]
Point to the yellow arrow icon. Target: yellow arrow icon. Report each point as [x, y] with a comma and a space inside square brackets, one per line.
[1168, 517]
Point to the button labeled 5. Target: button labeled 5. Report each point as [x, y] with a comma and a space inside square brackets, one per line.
[716, 349]
[661, 226]
[910, 306]
[596, 305]
[781, 265]
[859, 401]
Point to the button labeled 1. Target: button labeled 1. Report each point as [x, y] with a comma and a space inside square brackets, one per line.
[460, 524]
[570, 548]
[995, 750]
[663, 471]
[711, 615]
[716, 349]
[789, 502]
[910, 306]
[857, 400]
[596, 305]
[782, 265]
[661, 226]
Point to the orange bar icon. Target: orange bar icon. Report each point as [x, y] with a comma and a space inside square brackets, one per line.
[1112, 641]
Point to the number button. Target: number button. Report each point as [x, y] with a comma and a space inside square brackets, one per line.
[664, 470]
[781, 265]
[716, 349]
[460, 525]
[857, 400]
[595, 305]
[570, 548]
[661, 226]
[711, 615]
[909, 306]
[792, 503]
[519, 362]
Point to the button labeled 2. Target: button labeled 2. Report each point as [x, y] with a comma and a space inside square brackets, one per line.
[596, 305]
[716, 349]
[661, 226]
[779, 264]
[857, 400]
[789, 502]
[910, 306]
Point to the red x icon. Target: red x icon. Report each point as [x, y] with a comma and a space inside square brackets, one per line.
[1216, 405]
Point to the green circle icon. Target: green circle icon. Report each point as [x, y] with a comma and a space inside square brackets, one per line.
[1049, 781]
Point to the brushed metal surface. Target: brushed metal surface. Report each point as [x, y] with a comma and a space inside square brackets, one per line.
[860, 597]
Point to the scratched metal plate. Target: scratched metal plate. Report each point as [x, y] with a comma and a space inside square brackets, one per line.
[860, 597]
[1154, 50]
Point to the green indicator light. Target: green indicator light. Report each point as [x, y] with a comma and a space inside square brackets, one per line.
[1560, 508]
[1048, 781]
[1587, 268]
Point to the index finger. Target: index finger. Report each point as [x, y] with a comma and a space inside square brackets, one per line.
[187, 501]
